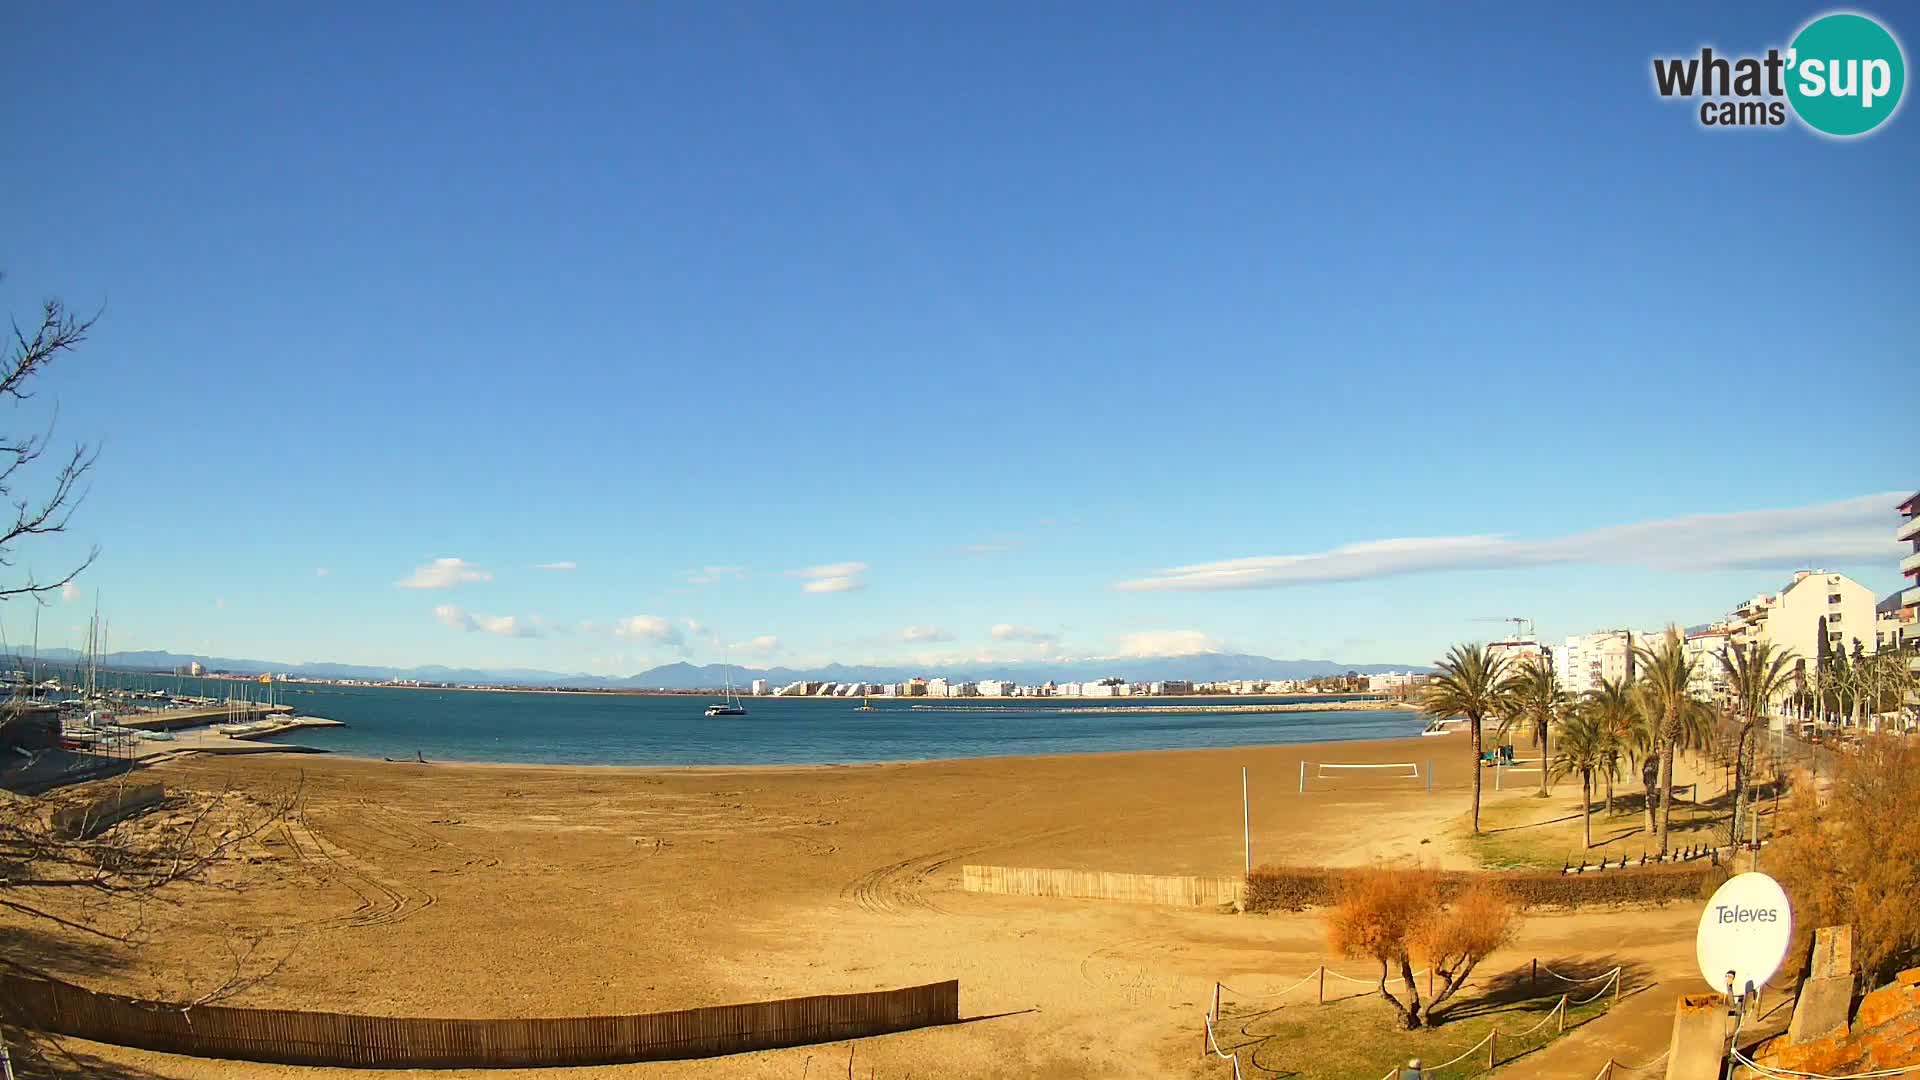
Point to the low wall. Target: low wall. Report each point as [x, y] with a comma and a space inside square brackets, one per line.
[341, 1040]
[1100, 885]
[95, 815]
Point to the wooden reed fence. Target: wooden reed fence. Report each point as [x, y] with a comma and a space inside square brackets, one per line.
[1175, 891]
[342, 1040]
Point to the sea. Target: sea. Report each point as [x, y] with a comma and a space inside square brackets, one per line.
[633, 729]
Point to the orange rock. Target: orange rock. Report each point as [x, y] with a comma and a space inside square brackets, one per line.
[1909, 977]
[1883, 1005]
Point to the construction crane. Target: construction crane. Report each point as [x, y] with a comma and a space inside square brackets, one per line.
[1522, 626]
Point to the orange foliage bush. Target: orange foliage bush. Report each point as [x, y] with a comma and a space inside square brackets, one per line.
[1850, 854]
[1396, 915]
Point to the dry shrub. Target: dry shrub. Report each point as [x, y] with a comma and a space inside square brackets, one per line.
[1397, 914]
[1851, 855]
[1295, 888]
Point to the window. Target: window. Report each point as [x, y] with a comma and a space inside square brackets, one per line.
[1833, 619]
[1833, 598]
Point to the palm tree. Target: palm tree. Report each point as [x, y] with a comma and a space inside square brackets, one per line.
[1611, 705]
[1757, 675]
[1534, 697]
[1469, 684]
[1588, 748]
[1664, 690]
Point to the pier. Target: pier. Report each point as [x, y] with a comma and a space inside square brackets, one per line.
[239, 712]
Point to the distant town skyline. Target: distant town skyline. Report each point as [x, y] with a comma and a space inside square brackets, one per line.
[596, 339]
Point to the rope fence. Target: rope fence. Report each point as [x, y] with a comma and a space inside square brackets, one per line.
[1608, 982]
[1606, 1071]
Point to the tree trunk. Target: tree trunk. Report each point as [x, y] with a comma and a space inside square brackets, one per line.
[1666, 797]
[1609, 795]
[1586, 806]
[1414, 1017]
[1651, 782]
[1475, 721]
[1540, 729]
[1740, 779]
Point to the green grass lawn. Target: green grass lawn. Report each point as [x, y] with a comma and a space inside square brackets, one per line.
[1361, 1038]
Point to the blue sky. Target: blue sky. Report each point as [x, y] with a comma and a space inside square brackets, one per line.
[1014, 306]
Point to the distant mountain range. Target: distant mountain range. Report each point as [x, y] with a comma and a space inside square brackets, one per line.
[1197, 667]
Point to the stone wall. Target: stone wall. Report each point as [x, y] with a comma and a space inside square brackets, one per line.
[1884, 1034]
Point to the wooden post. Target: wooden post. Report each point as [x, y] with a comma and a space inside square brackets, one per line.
[1320, 998]
[1563, 1014]
[1493, 1041]
[1246, 825]
[1533, 980]
[1616, 991]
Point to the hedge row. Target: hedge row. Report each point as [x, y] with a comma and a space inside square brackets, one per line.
[1292, 888]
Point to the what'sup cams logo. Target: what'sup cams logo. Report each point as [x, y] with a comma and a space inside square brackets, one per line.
[1842, 75]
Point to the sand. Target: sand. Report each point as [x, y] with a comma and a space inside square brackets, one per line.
[478, 890]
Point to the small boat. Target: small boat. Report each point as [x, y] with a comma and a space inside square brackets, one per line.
[1440, 727]
[865, 705]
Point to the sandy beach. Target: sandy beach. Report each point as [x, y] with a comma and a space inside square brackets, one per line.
[470, 890]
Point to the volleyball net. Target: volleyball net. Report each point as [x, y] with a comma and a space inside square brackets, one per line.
[1339, 775]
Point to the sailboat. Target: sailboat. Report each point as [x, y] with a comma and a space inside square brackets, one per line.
[865, 704]
[731, 706]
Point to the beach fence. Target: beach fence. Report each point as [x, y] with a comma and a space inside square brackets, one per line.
[341, 1040]
[1169, 890]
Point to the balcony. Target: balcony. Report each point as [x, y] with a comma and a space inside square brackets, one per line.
[1911, 564]
[1910, 530]
[1910, 598]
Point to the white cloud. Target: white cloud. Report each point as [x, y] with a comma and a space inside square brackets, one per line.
[321, 571]
[69, 592]
[1837, 533]
[1167, 643]
[471, 622]
[444, 574]
[1010, 632]
[565, 564]
[761, 646]
[707, 575]
[832, 577]
[650, 628]
[925, 633]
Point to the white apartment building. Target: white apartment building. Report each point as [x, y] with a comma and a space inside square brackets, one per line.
[1583, 661]
[1909, 613]
[1379, 683]
[994, 688]
[1709, 682]
[936, 687]
[1516, 651]
[1791, 618]
[759, 688]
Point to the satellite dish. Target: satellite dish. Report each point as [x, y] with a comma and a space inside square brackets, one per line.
[1745, 930]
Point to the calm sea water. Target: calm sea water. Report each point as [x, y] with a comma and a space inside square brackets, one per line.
[625, 729]
[452, 725]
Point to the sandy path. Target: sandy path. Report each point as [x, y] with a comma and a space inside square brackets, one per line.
[522, 891]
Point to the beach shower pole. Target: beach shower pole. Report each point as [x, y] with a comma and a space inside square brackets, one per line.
[1246, 825]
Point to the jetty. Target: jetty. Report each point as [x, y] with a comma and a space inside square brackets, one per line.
[202, 716]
